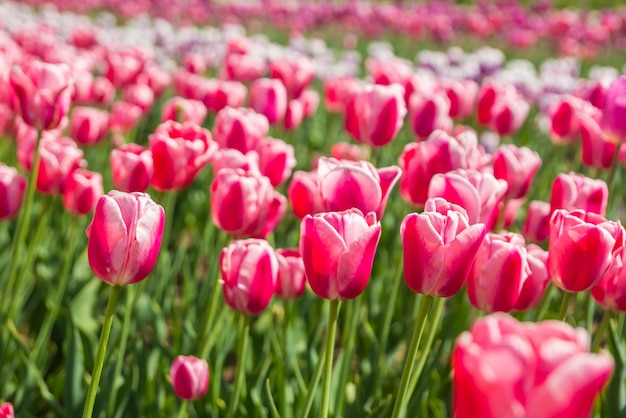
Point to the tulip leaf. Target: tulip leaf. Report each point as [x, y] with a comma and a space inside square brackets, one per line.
[74, 370]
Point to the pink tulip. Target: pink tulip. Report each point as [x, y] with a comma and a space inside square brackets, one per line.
[232, 158]
[217, 94]
[276, 159]
[462, 95]
[581, 248]
[564, 119]
[132, 168]
[294, 115]
[508, 115]
[12, 188]
[102, 91]
[59, 157]
[350, 184]
[389, 70]
[534, 287]
[291, 282]
[124, 237]
[244, 204]
[269, 97]
[375, 115]
[480, 194]
[6, 410]
[183, 110]
[347, 242]
[504, 368]
[428, 113]
[82, 191]
[295, 72]
[439, 248]
[304, 194]
[610, 292]
[240, 129]
[194, 63]
[310, 100]
[517, 166]
[338, 92]
[537, 224]
[179, 152]
[614, 113]
[190, 377]
[347, 151]
[156, 78]
[124, 65]
[124, 117]
[597, 150]
[243, 67]
[249, 273]
[141, 95]
[575, 191]
[88, 125]
[42, 92]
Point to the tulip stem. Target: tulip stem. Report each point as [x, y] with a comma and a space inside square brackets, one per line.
[611, 176]
[564, 305]
[597, 339]
[244, 331]
[328, 361]
[398, 407]
[182, 411]
[102, 346]
[315, 380]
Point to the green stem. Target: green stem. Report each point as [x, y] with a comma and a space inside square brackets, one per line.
[182, 411]
[328, 361]
[564, 305]
[540, 310]
[410, 358]
[102, 346]
[315, 381]
[128, 309]
[352, 319]
[244, 331]
[597, 339]
[613, 170]
[46, 329]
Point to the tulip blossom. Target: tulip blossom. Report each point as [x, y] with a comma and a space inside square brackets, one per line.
[428, 113]
[533, 289]
[505, 368]
[6, 410]
[581, 248]
[249, 273]
[124, 65]
[179, 152]
[240, 129]
[12, 188]
[614, 113]
[244, 204]
[295, 72]
[141, 95]
[575, 191]
[190, 377]
[59, 157]
[232, 158]
[183, 110]
[291, 281]
[462, 95]
[269, 97]
[124, 237]
[597, 150]
[537, 224]
[124, 117]
[132, 168]
[610, 292]
[42, 92]
[304, 194]
[294, 115]
[347, 151]
[338, 92]
[389, 70]
[517, 166]
[244, 67]
[82, 191]
[439, 248]
[88, 125]
[217, 94]
[338, 251]
[276, 159]
[375, 115]
[349, 184]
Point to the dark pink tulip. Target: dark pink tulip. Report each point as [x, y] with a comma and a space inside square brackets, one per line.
[179, 152]
[428, 113]
[355, 184]
[480, 194]
[59, 157]
[487, 96]
[84, 37]
[347, 151]
[240, 129]
[537, 224]
[42, 93]
[535, 284]
[6, 410]
[194, 63]
[269, 97]
[294, 115]
[564, 119]
[125, 237]
[82, 191]
[124, 65]
[102, 91]
[190, 377]
[581, 248]
[375, 115]
[132, 168]
[347, 242]
[575, 191]
[244, 67]
[183, 110]
[244, 204]
[88, 125]
[508, 115]
[462, 95]
[423, 83]
[505, 368]
[276, 159]
[249, 273]
[440, 153]
[610, 292]
[232, 158]
[597, 150]
[217, 94]
[439, 248]
[304, 194]
[140, 95]
[12, 188]
[291, 281]
[296, 73]
[124, 117]
[614, 112]
[339, 91]
[389, 70]
[155, 77]
[517, 166]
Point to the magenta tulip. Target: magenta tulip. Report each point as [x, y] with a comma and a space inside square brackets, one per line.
[132, 168]
[82, 191]
[517, 166]
[276, 159]
[429, 112]
[537, 224]
[124, 237]
[610, 292]
[296, 73]
[574, 191]
[304, 194]
[614, 112]
[240, 129]
[183, 110]
[338, 92]
[190, 377]
[6, 410]
[12, 188]
[59, 157]
[88, 125]
[269, 97]
[291, 282]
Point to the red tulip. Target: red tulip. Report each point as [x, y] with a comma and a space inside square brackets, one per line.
[82, 191]
[375, 115]
[517, 166]
[124, 237]
[439, 248]
[614, 113]
[240, 129]
[291, 282]
[190, 377]
[269, 97]
[346, 242]
[249, 272]
[12, 188]
[179, 152]
[131, 168]
[575, 191]
[88, 125]
[504, 368]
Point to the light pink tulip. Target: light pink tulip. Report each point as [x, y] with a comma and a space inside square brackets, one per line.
[269, 97]
[339, 91]
[183, 110]
[537, 224]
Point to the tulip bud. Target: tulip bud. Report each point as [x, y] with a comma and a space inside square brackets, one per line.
[12, 188]
[291, 281]
[124, 237]
[190, 377]
[305, 194]
[82, 191]
[276, 159]
[249, 273]
[428, 113]
[339, 91]
[59, 157]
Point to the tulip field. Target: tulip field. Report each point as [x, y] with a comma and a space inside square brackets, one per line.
[291, 209]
